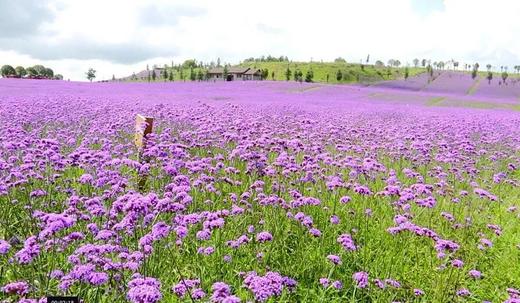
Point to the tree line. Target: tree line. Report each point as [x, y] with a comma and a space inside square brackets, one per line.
[33, 72]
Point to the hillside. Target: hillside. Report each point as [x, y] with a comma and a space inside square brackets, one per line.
[351, 73]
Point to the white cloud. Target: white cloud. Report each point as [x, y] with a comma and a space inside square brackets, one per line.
[464, 30]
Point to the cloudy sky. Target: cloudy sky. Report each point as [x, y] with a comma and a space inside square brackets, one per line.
[121, 37]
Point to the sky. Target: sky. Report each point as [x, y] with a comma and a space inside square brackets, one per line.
[119, 37]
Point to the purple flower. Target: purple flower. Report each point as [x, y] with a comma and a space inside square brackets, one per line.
[4, 247]
[457, 263]
[475, 274]
[337, 284]
[463, 292]
[265, 287]
[346, 241]
[264, 236]
[325, 282]
[360, 279]
[144, 290]
[336, 260]
[418, 292]
[334, 219]
[315, 232]
[18, 288]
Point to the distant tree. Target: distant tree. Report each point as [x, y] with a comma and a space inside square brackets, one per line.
[190, 63]
[504, 76]
[181, 73]
[272, 75]
[415, 62]
[40, 70]
[154, 75]
[423, 62]
[20, 71]
[193, 77]
[300, 76]
[397, 63]
[165, 73]
[456, 65]
[218, 62]
[91, 74]
[7, 70]
[339, 75]
[149, 77]
[489, 76]
[488, 67]
[328, 78]
[391, 62]
[309, 76]
[58, 77]
[31, 72]
[170, 76]
[379, 63]
[226, 72]
[200, 75]
[264, 73]
[474, 73]
[340, 60]
[288, 74]
[113, 77]
[362, 67]
[368, 58]
[406, 73]
[48, 73]
[296, 72]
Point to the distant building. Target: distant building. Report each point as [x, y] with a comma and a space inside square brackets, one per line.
[234, 73]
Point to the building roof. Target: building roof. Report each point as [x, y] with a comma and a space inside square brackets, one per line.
[231, 70]
[252, 71]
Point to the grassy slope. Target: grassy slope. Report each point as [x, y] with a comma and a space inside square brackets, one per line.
[353, 73]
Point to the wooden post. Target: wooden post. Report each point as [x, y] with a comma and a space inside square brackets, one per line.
[143, 127]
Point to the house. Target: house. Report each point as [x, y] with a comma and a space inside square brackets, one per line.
[234, 73]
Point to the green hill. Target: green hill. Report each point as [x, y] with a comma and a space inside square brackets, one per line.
[351, 73]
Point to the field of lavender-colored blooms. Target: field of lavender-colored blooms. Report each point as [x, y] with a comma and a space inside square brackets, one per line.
[260, 192]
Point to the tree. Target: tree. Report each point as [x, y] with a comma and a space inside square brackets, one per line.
[379, 63]
[309, 75]
[288, 74]
[397, 63]
[181, 74]
[200, 75]
[91, 74]
[20, 71]
[415, 62]
[474, 73]
[272, 75]
[226, 71]
[154, 75]
[340, 60]
[339, 75]
[489, 76]
[170, 76]
[328, 78]
[218, 62]
[406, 73]
[165, 73]
[48, 73]
[192, 74]
[191, 63]
[31, 72]
[423, 62]
[40, 70]
[504, 76]
[488, 67]
[8, 70]
[391, 62]
[456, 65]
[58, 77]
[264, 73]
[113, 77]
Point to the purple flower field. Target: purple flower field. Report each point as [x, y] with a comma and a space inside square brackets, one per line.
[258, 192]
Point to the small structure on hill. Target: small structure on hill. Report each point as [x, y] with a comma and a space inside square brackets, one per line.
[234, 73]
